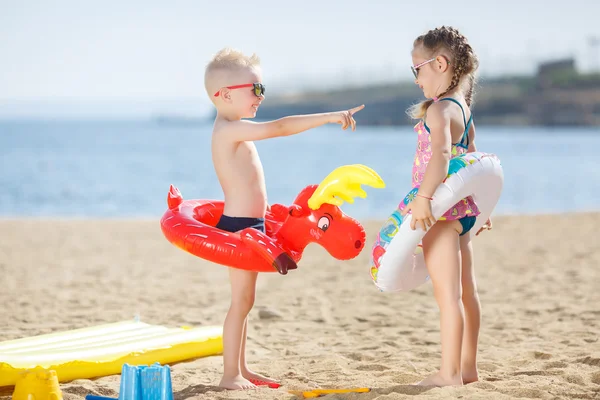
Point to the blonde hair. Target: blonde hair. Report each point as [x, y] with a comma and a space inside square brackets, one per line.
[223, 64]
[463, 62]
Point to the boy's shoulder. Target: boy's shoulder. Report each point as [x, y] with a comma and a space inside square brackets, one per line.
[225, 127]
[222, 125]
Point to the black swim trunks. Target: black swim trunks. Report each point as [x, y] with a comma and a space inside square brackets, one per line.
[235, 224]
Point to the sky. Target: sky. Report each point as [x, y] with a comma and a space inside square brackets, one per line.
[120, 58]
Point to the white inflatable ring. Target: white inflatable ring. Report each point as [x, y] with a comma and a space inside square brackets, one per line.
[397, 262]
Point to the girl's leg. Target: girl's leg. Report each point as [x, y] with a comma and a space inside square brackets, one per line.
[442, 256]
[472, 307]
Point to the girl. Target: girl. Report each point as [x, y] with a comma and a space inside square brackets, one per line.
[444, 66]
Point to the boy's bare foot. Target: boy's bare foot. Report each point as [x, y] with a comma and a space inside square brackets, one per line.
[470, 376]
[236, 383]
[438, 380]
[258, 378]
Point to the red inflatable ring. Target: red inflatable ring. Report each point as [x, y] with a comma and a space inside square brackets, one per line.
[314, 217]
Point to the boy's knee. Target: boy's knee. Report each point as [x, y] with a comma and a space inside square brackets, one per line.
[243, 302]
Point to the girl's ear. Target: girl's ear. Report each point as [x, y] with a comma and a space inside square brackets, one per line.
[442, 63]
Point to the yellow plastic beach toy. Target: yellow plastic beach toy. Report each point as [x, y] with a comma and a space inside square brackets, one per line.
[37, 385]
[309, 394]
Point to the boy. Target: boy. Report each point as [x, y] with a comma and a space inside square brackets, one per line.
[233, 83]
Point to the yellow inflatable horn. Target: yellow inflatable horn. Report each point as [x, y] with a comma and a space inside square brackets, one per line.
[343, 184]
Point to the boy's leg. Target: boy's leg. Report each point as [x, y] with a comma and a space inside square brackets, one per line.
[472, 307]
[442, 256]
[243, 288]
[246, 372]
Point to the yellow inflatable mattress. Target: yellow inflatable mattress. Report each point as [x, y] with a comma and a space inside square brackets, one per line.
[102, 350]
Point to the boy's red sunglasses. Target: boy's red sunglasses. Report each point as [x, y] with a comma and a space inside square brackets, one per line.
[259, 88]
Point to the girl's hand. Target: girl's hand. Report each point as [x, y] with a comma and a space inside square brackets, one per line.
[486, 226]
[421, 213]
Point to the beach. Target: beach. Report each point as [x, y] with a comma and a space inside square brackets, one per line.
[324, 325]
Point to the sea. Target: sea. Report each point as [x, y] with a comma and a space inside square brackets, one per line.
[123, 168]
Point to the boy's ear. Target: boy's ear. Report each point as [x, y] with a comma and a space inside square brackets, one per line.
[226, 95]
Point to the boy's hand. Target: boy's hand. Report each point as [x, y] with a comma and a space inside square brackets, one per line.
[486, 226]
[345, 117]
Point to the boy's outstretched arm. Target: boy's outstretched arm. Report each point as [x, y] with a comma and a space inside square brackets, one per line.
[244, 130]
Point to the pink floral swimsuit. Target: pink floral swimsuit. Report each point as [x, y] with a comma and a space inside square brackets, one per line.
[466, 207]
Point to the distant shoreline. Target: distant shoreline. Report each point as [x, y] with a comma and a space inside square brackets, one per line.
[366, 220]
[558, 95]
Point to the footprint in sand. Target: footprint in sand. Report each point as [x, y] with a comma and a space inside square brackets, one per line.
[538, 373]
[527, 393]
[595, 378]
[483, 385]
[372, 367]
[576, 379]
[411, 390]
[369, 348]
[540, 355]
[406, 378]
[488, 367]
[556, 364]
[594, 362]
[358, 357]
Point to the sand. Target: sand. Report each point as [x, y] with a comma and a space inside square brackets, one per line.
[326, 324]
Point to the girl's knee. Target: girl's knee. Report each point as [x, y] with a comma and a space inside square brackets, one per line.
[469, 294]
[450, 304]
[469, 287]
[447, 295]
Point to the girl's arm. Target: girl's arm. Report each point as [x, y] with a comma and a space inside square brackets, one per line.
[438, 120]
[472, 148]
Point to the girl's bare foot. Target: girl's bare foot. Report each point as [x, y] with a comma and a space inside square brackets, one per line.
[236, 383]
[470, 376]
[438, 380]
